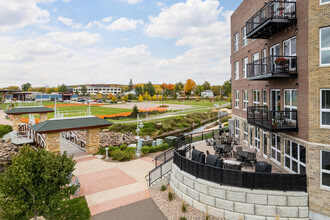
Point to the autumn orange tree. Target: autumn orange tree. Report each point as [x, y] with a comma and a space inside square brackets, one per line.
[110, 96]
[189, 86]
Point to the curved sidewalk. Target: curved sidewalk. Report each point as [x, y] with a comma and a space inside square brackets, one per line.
[111, 188]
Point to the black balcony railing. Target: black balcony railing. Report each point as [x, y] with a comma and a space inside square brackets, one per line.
[272, 18]
[274, 121]
[236, 178]
[272, 67]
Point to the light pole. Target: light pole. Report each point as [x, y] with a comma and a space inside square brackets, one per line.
[139, 125]
[139, 141]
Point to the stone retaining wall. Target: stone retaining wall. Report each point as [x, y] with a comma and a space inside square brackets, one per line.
[238, 203]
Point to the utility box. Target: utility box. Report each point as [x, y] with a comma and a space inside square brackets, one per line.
[159, 141]
[170, 140]
[154, 143]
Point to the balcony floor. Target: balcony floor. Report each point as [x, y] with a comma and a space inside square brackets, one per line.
[276, 168]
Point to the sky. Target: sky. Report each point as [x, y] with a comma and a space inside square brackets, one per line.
[51, 42]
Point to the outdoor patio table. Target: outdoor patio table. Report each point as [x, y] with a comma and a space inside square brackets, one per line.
[236, 163]
[243, 154]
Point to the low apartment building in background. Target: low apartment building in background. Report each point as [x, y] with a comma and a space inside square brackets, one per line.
[94, 89]
[280, 61]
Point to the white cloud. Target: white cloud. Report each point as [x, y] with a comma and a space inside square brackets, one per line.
[77, 39]
[18, 13]
[67, 1]
[107, 19]
[124, 24]
[66, 21]
[160, 4]
[132, 1]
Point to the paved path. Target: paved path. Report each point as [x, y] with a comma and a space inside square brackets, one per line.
[3, 120]
[130, 105]
[165, 115]
[114, 186]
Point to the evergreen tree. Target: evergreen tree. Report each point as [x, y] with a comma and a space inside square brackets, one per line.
[130, 85]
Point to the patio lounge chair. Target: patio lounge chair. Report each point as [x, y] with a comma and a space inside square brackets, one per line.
[263, 167]
[198, 156]
[213, 160]
[236, 156]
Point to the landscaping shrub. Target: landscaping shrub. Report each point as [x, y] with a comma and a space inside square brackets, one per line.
[122, 155]
[184, 207]
[163, 188]
[101, 151]
[123, 147]
[145, 149]
[170, 196]
[5, 129]
[183, 218]
[131, 149]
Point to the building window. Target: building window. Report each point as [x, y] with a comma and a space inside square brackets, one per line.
[237, 131]
[257, 138]
[251, 137]
[236, 99]
[245, 134]
[264, 98]
[325, 168]
[290, 101]
[236, 42]
[295, 157]
[265, 137]
[245, 62]
[237, 70]
[256, 98]
[244, 36]
[325, 108]
[276, 148]
[245, 99]
[325, 46]
[323, 2]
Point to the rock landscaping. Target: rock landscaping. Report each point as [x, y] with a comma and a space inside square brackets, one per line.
[7, 149]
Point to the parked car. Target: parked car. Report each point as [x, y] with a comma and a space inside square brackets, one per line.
[99, 101]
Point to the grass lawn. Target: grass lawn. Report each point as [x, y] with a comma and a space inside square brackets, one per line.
[71, 209]
[202, 103]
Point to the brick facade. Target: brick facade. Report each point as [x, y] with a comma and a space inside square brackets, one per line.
[311, 16]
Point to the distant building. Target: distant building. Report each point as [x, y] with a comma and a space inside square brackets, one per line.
[130, 92]
[207, 94]
[94, 89]
[38, 96]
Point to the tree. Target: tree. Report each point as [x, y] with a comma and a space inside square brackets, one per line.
[138, 90]
[135, 112]
[25, 87]
[83, 90]
[189, 86]
[216, 90]
[227, 88]
[62, 88]
[36, 182]
[12, 88]
[140, 98]
[149, 88]
[99, 96]
[154, 98]
[206, 85]
[198, 90]
[160, 97]
[126, 98]
[130, 85]
[114, 99]
[177, 87]
[110, 96]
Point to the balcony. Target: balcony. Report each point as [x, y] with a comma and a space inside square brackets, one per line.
[273, 121]
[272, 18]
[272, 67]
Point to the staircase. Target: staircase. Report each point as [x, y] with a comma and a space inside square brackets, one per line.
[74, 138]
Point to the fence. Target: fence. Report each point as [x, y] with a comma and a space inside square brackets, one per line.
[159, 171]
[250, 180]
[161, 158]
[195, 137]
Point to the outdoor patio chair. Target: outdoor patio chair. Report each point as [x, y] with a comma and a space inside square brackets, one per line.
[227, 151]
[250, 157]
[198, 156]
[229, 140]
[213, 160]
[236, 156]
[263, 167]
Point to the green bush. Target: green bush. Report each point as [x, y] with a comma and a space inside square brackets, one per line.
[131, 149]
[145, 149]
[101, 151]
[122, 155]
[123, 147]
[5, 129]
[163, 188]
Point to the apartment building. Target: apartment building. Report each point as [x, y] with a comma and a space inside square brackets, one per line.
[94, 89]
[280, 57]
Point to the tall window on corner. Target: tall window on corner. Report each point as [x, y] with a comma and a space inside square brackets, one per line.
[325, 46]
[244, 42]
[237, 70]
[325, 108]
[236, 99]
[236, 42]
[325, 168]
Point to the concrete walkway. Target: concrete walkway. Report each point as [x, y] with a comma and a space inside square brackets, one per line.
[3, 120]
[109, 187]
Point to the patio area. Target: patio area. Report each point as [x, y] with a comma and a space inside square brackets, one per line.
[203, 146]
